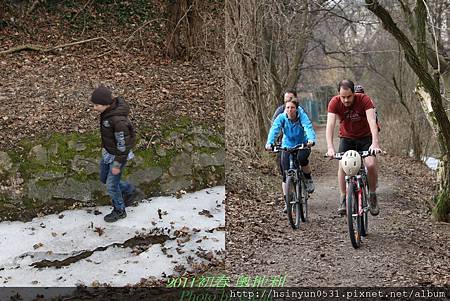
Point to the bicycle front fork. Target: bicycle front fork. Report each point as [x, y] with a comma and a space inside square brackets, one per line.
[357, 189]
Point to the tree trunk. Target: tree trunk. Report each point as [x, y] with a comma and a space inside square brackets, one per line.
[243, 62]
[415, 141]
[428, 92]
[442, 209]
[180, 37]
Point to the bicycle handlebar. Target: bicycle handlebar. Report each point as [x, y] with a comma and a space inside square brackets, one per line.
[363, 154]
[277, 147]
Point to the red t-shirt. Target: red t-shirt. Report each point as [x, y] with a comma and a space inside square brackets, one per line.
[353, 119]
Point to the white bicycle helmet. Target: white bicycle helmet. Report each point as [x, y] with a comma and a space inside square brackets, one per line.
[351, 162]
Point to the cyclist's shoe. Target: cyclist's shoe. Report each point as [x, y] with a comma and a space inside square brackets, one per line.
[115, 215]
[373, 204]
[309, 185]
[132, 200]
[342, 210]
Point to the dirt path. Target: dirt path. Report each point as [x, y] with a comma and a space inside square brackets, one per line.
[404, 246]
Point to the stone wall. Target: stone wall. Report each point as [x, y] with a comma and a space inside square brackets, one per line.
[61, 171]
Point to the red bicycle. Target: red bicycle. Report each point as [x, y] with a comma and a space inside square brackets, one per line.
[357, 188]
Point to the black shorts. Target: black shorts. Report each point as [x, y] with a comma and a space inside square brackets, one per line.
[359, 145]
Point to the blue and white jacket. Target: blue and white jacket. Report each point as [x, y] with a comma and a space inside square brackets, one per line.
[294, 133]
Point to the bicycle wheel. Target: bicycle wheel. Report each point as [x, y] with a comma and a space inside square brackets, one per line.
[365, 216]
[292, 204]
[353, 219]
[303, 201]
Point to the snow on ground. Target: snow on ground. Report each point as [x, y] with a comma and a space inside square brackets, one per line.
[431, 162]
[190, 232]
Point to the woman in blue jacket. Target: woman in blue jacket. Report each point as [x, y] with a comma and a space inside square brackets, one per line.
[297, 129]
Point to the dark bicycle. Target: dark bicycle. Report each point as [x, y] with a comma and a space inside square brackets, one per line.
[357, 201]
[296, 194]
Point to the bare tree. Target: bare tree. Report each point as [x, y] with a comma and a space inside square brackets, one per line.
[428, 88]
[193, 28]
[267, 42]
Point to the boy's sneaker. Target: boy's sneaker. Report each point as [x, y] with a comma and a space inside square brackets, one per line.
[342, 209]
[373, 204]
[309, 185]
[133, 199]
[115, 215]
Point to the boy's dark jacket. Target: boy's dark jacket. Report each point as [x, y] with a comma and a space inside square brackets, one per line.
[118, 136]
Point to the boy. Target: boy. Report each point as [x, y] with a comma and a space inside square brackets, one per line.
[118, 137]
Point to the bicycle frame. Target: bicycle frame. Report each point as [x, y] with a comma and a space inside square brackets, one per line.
[293, 171]
[359, 180]
[295, 177]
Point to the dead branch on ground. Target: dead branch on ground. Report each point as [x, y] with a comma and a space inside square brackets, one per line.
[40, 48]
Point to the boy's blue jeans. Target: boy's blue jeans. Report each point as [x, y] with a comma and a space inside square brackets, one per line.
[115, 187]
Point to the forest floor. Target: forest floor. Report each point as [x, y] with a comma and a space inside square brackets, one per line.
[47, 92]
[405, 247]
[44, 94]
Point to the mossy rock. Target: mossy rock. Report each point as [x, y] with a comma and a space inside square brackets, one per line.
[214, 159]
[88, 166]
[173, 184]
[39, 153]
[5, 163]
[49, 175]
[181, 165]
[145, 176]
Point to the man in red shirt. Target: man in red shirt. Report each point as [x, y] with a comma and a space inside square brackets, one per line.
[357, 131]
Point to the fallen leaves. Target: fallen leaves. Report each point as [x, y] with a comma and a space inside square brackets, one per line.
[161, 213]
[61, 85]
[99, 230]
[206, 213]
[38, 245]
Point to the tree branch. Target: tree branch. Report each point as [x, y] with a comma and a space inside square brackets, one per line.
[421, 16]
[33, 6]
[400, 94]
[84, 7]
[410, 54]
[40, 48]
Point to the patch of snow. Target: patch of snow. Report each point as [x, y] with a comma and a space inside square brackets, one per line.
[60, 236]
[431, 162]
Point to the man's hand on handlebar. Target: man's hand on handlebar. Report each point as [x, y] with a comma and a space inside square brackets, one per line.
[269, 147]
[330, 153]
[310, 143]
[375, 150]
